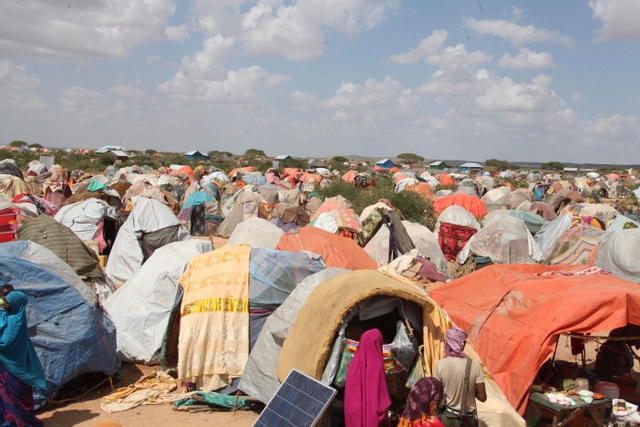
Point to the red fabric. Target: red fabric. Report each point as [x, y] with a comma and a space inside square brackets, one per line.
[366, 398]
[452, 239]
[514, 315]
[336, 251]
[471, 203]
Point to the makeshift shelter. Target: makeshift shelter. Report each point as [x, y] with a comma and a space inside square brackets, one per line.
[454, 228]
[470, 203]
[445, 179]
[385, 164]
[142, 307]
[505, 240]
[618, 253]
[544, 210]
[342, 307]
[9, 167]
[423, 239]
[573, 247]
[336, 251]
[87, 219]
[498, 198]
[349, 177]
[150, 226]
[533, 221]
[515, 313]
[286, 216]
[11, 185]
[201, 214]
[70, 334]
[256, 232]
[516, 197]
[60, 240]
[245, 285]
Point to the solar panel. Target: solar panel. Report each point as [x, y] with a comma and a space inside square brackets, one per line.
[299, 402]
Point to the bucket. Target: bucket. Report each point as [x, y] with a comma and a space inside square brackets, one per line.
[608, 390]
[627, 384]
[103, 260]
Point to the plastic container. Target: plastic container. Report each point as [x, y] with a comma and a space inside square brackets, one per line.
[608, 390]
[627, 384]
[102, 259]
[582, 384]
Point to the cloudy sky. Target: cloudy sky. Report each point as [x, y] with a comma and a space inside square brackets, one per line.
[539, 81]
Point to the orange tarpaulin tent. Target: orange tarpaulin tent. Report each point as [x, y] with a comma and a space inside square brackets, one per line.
[349, 177]
[377, 168]
[336, 251]
[394, 169]
[471, 203]
[515, 313]
[399, 178]
[421, 188]
[445, 179]
[247, 169]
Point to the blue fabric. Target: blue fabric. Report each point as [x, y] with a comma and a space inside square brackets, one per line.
[69, 335]
[532, 221]
[196, 199]
[16, 350]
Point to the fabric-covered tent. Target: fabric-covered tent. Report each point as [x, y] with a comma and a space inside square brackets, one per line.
[310, 346]
[70, 335]
[142, 307]
[497, 198]
[256, 232]
[86, 218]
[150, 225]
[574, 246]
[349, 177]
[60, 240]
[445, 179]
[336, 251]
[514, 314]
[618, 253]
[470, 203]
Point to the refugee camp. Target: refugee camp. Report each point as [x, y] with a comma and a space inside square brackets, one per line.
[308, 213]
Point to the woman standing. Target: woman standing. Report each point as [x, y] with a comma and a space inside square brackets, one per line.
[366, 399]
[20, 368]
[422, 402]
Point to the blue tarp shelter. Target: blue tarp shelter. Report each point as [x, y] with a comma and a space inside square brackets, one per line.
[71, 336]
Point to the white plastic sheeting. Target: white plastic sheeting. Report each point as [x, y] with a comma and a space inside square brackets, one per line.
[551, 231]
[506, 240]
[604, 213]
[456, 215]
[126, 255]
[83, 217]
[259, 378]
[618, 253]
[423, 239]
[140, 309]
[256, 232]
[498, 198]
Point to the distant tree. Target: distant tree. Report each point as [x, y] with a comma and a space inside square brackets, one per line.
[340, 159]
[254, 153]
[410, 157]
[150, 151]
[213, 153]
[18, 144]
[558, 166]
[498, 164]
[106, 159]
[35, 145]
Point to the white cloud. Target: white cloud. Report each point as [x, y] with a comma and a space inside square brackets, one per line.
[505, 95]
[54, 30]
[17, 88]
[517, 35]
[517, 12]
[127, 92]
[457, 80]
[152, 59]
[87, 106]
[619, 18]
[432, 51]
[210, 63]
[577, 97]
[527, 59]
[177, 33]
[438, 123]
[614, 125]
[302, 100]
[243, 86]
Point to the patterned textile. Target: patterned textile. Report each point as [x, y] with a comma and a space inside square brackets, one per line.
[370, 225]
[214, 326]
[452, 239]
[589, 271]
[16, 402]
[198, 222]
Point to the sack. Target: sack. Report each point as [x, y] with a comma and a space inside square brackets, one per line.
[417, 370]
[404, 347]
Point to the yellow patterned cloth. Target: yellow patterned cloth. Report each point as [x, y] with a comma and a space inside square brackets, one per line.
[214, 325]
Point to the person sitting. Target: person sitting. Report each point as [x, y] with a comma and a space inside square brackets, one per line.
[422, 402]
[366, 399]
[20, 368]
[452, 371]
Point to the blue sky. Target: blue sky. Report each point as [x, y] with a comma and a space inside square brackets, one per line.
[536, 81]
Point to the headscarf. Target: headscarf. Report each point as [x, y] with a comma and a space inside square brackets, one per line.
[423, 393]
[454, 343]
[17, 353]
[366, 398]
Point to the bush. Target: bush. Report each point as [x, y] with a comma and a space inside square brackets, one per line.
[413, 206]
[106, 159]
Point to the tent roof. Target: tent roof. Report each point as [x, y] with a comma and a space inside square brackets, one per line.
[494, 306]
[108, 148]
[471, 165]
[119, 153]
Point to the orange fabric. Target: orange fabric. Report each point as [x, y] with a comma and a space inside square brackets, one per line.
[524, 313]
[445, 179]
[467, 201]
[422, 188]
[399, 178]
[186, 170]
[394, 170]
[377, 168]
[335, 250]
[349, 177]
[329, 205]
[233, 171]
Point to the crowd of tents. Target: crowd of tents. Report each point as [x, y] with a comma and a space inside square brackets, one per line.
[310, 269]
